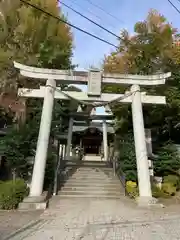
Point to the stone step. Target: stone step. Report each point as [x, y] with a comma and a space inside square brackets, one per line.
[98, 193]
[96, 185]
[113, 188]
[70, 183]
[90, 176]
[92, 182]
[93, 179]
[90, 196]
[93, 169]
[98, 178]
[94, 172]
[84, 162]
[95, 176]
[88, 164]
[89, 158]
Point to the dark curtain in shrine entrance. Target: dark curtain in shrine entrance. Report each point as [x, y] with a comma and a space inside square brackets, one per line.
[92, 141]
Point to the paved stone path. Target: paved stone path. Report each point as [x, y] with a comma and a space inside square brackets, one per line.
[11, 221]
[104, 220]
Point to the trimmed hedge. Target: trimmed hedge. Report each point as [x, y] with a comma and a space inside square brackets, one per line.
[12, 193]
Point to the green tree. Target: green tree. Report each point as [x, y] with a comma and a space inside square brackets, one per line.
[35, 39]
[152, 49]
[168, 160]
[148, 51]
[127, 158]
[16, 146]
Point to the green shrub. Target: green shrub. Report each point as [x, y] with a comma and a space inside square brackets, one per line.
[168, 160]
[12, 193]
[132, 189]
[158, 193]
[173, 179]
[169, 189]
[49, 172]
[127, 157]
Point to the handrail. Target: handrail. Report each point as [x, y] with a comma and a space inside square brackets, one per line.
[61, 164]
[59, 169]
[114, 160]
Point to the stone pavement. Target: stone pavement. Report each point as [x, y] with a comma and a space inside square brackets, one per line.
[77, 219]
[11, 221]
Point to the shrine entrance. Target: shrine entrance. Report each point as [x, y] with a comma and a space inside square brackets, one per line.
[92, 141]
[89, 148]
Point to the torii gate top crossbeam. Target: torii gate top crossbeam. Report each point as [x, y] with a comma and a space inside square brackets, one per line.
[82, 77]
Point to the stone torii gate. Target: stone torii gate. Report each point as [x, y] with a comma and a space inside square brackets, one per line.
[95, 97]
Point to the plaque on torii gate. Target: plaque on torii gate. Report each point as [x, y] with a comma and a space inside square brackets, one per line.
[94, 83]
[94, 96]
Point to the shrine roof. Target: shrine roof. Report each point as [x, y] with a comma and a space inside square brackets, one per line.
[110, 129]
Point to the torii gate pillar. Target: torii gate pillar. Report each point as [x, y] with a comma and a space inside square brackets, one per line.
[145, 193]
[105, 141]
[69, 140]
[43, 141]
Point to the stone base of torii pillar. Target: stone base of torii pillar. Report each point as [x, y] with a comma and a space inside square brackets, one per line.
[36, 203]
[148, 202]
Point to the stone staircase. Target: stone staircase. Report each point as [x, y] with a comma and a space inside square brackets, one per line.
[92, 180]
[95, 158]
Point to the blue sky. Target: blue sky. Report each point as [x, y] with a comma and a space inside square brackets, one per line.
[89, 51]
